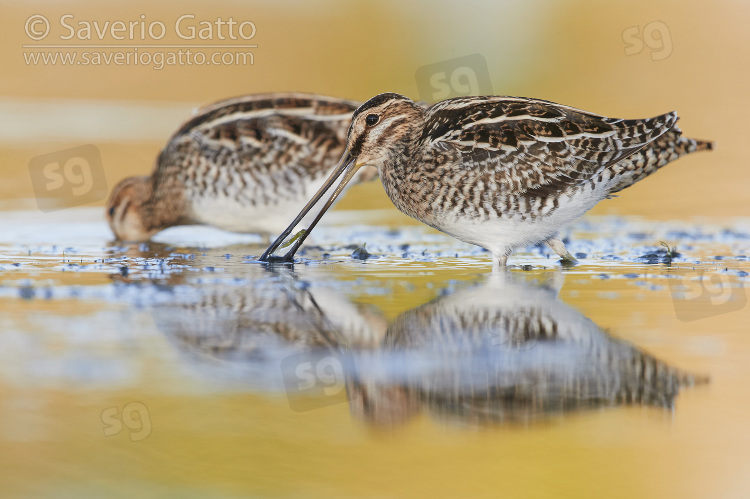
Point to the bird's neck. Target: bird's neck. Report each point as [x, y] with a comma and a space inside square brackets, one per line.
[164, 205]
[400, 172]
[403, 153]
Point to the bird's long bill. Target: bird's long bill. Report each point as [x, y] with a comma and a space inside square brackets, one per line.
[347, 166]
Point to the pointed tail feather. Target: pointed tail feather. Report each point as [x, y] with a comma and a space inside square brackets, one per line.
[665, 149]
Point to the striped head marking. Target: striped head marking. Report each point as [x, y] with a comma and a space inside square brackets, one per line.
[380, 124]
[380, 127]
[125, 209]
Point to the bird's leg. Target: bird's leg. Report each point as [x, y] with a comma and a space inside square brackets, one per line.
[499, 262]
[556, 244]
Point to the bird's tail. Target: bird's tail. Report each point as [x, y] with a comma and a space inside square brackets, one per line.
[665, 149]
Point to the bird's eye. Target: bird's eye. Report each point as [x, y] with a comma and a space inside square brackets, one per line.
[372, 119]
[112, 211]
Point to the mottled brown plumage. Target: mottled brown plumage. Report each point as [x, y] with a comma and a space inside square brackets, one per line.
[501, 172]
[244, 164]
[507, 351]
[499, 350]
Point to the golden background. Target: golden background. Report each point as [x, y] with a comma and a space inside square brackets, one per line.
[247, 444]
[572, 53]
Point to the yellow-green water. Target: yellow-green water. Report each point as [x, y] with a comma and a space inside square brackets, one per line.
[175, 379]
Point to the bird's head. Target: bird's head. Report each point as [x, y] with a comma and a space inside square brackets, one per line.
[125, 209]
[382, 126]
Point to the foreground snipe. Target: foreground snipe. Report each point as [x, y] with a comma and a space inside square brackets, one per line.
[498, 172]
[245, 165]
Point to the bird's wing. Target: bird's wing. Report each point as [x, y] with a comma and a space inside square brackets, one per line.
[260, 137]
[258, 105]
[534, 146]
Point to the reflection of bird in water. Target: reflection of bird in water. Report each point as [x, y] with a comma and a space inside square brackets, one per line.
[501, 351]
[506, 351]
[237, 320]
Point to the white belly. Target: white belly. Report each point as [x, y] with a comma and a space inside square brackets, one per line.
[229, 213]
[503, 235]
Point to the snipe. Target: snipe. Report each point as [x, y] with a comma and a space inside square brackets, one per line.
[498, 172]
[245, 165]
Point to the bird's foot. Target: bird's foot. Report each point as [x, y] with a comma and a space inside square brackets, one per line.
[556, 245]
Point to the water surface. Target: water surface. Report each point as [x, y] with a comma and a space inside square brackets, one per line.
[184, 367]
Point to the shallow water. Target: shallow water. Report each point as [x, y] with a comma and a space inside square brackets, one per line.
[184, 367]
